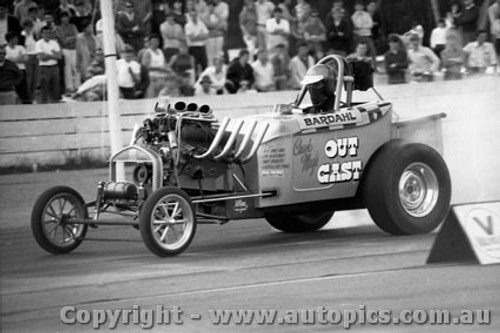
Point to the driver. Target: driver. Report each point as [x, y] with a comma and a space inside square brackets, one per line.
[320, 81]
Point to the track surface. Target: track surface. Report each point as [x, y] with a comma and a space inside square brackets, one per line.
[248, 265]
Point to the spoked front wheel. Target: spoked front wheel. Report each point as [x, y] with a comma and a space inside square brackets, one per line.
[51, 220]
[167, 222]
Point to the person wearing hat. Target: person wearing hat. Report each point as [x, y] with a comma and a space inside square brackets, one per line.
[320, 82]
[205, 87]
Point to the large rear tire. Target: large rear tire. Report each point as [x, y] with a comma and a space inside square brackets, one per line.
[167, 222]
[408, 188]
[299, 223]
[51, 220]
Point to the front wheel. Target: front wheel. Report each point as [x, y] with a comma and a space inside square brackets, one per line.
[408, 188]
[51, 220]
[167, 222]
[299, 223]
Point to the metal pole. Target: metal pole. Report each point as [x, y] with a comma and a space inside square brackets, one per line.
[112, 79]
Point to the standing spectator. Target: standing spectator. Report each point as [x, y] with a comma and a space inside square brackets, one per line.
[11, 76]
[278, 30]
[452, 57]
[66, 35]
[338, 5]
[155, 62]
[159, 15]
[179, 16]
[186, 88]
[339, 33]
[453, 14]
[173, 36]
[314, 32]
[129, 73]
[239, 74]
[83, 14]
[37, 23]
[216, 21]
[48, 21]
[21, 9]
[196, 38]
[480, 54]
[217, 75]
[263, 72]
[32, 71]
[264, 10]
[423, 62]
[86, 46]
[377, 33]
[64, 7]
[438, 37]
[248, 26]
[494, 18]
[396, 60]
[17, 54]
[142, 52]
[182, 61]
[7, 23]
[205, 87]
[467, 21]
[302, 12]
[128, 26]
[363, 24]
[49, 53]
[281, 65]
[299, 66]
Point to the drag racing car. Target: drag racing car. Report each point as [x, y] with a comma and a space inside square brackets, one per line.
[294, 166]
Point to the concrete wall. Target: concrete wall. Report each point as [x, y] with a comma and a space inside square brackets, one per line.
[53, 133]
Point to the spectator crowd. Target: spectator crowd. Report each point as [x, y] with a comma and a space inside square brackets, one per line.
[51, 49]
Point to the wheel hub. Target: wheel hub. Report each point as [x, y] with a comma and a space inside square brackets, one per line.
[418, 189]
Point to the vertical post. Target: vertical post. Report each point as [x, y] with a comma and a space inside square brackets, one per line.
[435, 11]
[112, 79]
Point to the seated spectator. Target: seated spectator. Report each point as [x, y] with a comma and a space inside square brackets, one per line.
[171, 88]
[314, 32]
[182, 62]
[361, 54]
[452, 57]
[396, 60]
[480, 54]
[217, 75]
[423, 62]
[438, 37]
[277, 30]
[129, 73]
[17, 54]
[281, 65]
[11, 76]
[173, 36]
[263, 73]
[93, 89]
[239, 74]
[155, 63]
[97, 66]
[186, 88]
[299, 66]
[339, 33]
[205, 87]
[142, 52]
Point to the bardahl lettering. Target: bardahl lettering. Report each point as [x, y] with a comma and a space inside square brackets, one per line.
[331, 119]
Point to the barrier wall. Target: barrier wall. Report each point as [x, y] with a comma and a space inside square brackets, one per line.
[53, 133]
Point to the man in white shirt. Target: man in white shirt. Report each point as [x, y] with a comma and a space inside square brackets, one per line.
[196, 39]
[264, 10]
[17, 54]
[480, 54]
[263, 72]
[277, 29]
[129, 73]
[438, 37]
[49, 52]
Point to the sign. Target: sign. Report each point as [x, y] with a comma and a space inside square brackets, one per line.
[471, 232]
[330, 119]
[345, 170]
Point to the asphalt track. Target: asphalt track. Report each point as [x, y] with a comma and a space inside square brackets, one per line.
[247, 264]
